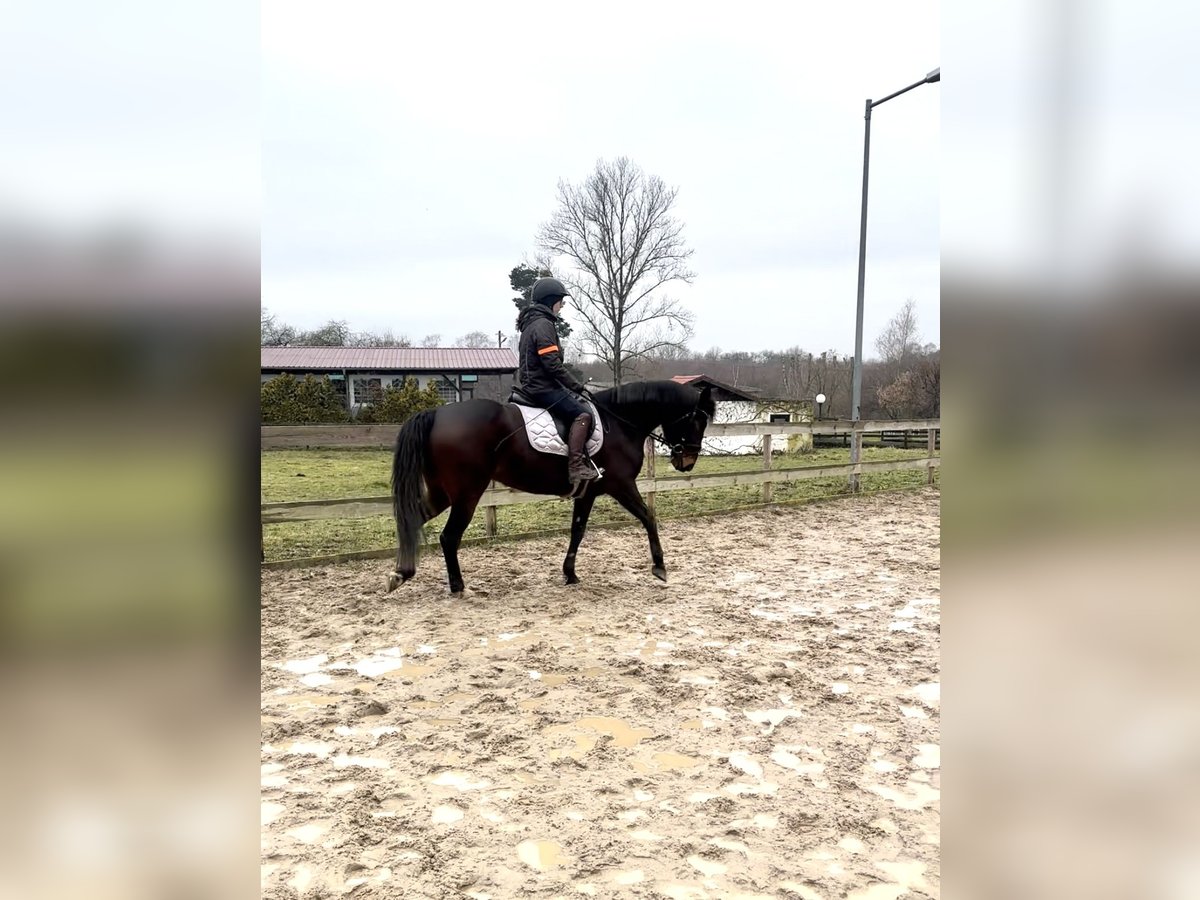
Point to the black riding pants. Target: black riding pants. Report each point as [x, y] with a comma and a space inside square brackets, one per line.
[561, 403]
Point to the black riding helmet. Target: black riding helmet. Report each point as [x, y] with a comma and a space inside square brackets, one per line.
[547, 291]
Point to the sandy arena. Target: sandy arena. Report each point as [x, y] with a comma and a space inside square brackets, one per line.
[764, 725]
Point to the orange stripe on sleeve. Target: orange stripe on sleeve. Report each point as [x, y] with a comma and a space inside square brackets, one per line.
[551, 349]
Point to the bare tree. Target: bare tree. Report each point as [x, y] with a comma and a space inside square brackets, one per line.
[475, 339]
[273, 333]
[385, 338]
[431, 340]
[617, 231]
[901, 339]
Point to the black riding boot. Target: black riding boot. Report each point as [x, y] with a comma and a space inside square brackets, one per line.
[579, 469]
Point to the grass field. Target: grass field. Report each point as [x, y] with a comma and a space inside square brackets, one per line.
[330, 474]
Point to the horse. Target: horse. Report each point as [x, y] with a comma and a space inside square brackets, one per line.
[446, 457]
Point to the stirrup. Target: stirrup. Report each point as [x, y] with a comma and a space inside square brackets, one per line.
[579, 487]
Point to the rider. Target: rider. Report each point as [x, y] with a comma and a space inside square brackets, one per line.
[545, 380]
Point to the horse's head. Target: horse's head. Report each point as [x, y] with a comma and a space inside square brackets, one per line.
[686, 433]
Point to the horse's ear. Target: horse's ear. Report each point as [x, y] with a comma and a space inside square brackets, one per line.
[706, 394]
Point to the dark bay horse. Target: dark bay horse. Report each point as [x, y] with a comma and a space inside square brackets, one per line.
[445, 459]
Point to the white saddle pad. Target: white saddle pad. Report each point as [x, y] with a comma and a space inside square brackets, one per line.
[543, 435]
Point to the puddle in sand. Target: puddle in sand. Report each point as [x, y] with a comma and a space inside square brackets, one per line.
[668, 761]
[547, 680]
[930, 756]
[930, 693]
[310, 833]
[304, 877]
[852, 845]
[651, 649]
[583, 743]
[446, 815]
[461, 780]
[707, 867]
[271, 812]
[747, 764]
[624, 734]
[690, 725]
[540, 855]
[918, 797]
[781, 757]
[442, 722]
[632, 876]
[909, 875]
[531, 704]
[772, 717]
[305, 666]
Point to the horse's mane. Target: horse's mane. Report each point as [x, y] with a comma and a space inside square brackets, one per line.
[666, 393]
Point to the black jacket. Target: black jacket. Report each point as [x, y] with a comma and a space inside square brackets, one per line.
[539, 358]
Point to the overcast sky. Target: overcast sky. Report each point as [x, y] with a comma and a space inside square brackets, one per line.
[410, 153]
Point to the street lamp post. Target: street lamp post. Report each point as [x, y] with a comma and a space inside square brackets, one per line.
[856, 381]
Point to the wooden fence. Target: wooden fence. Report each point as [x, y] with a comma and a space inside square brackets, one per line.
[278, 436]
[312, 437]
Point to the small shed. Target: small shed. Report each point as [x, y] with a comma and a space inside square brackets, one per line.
[742, 404]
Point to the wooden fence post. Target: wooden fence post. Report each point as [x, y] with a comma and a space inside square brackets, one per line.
[932, 445]
[649, 454]
[489, 516]
[766, 493]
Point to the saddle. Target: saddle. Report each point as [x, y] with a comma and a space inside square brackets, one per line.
[549, 435]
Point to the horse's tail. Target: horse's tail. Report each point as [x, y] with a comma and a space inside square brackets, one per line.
[409, 494]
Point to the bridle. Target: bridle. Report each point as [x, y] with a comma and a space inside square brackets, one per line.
[679, 448]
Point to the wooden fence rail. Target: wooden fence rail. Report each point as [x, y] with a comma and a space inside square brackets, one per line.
[300, 437]
[361, 507]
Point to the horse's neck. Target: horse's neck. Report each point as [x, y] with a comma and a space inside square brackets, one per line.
[647, 415]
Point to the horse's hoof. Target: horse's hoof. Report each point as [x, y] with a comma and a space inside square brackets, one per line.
[457, 589]
[572, 579]
[393, 581]
[660, 572]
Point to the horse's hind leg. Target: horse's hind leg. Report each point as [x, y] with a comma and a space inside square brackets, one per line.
[439, 501]
[461, 514]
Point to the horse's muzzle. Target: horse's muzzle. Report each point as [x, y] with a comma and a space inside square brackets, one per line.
[684, 463]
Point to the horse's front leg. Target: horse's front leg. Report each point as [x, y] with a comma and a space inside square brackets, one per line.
[579, 520]
[628, 497]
